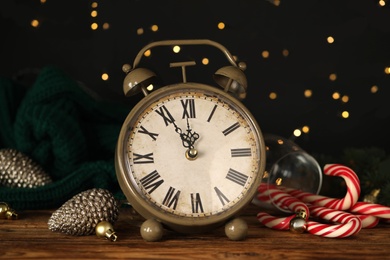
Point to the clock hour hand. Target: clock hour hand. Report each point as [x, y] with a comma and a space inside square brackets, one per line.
[188, 140]
[190, 137]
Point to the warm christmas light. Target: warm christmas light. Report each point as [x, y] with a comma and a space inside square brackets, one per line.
[297, 132]
[106, 26]
[273, 95]
[147, 53]
[274, 2]
[140, 31]
[221, 25]
[94, 13]
[176, 49]
[105, 76]
[305, 129]
[382, 2]
[94, 4]
[43, 1]
[330, 39]
[205, 61]
[265, 54]
[332, 77]
[374, 89]
[336, 95]
[308, 93]
[94, 26]
[387, 70]
[285, 52]
[34, 23]
[345, 99]
[345, 114]
[154, 28]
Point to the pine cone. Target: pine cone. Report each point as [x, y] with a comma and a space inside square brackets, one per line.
[80, 215]
[19, 171]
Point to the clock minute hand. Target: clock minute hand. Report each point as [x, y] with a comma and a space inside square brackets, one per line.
[183, 137]
[188, 139]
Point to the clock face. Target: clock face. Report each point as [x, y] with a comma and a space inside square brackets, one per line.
[191, 152]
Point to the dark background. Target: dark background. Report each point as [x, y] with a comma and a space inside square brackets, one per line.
[358, 57]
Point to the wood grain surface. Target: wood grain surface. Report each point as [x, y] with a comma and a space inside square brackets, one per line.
[29, 238]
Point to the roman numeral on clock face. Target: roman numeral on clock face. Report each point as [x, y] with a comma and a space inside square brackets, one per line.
[196, 203]
[144, 131]
[241, 152]
[188, 108]
[212, 113]
[171, 199]
[164, 113]
[221, 196]
[236, 177]
[143, 158]
[231, 128]
[151, 181]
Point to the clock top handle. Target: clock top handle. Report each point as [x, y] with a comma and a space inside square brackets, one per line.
[228, 55]
[230, 78]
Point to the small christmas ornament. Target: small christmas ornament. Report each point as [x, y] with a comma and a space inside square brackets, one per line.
[6, 212]
[105, 230]
[19, 171]
[298, 224]
[81, 214]
[372, 197]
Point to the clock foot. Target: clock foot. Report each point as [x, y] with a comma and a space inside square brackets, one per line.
[236, 229]
[151, 230]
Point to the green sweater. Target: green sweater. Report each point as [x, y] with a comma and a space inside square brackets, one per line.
[62, 128]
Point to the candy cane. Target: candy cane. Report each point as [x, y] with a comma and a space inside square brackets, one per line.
[371, 209]
[368, 221]
[280, 197]
[274, 222]
[349, 224]
[351, 197]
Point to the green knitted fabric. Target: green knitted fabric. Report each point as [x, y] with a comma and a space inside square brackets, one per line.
[70, 134]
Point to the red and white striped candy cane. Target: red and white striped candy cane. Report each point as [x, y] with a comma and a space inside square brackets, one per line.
[281, 199]
[368, 221]
[351, 197]
[348, 223]
[371, 209]
[274, 222]
[284, 199]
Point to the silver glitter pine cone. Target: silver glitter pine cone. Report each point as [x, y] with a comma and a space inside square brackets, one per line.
[18, 170]
[80, 215]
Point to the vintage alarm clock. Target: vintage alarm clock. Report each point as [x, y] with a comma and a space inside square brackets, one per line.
[189, 156]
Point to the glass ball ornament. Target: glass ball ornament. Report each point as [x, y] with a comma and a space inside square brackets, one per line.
[289, 166]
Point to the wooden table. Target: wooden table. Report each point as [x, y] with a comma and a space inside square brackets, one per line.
[29, 238]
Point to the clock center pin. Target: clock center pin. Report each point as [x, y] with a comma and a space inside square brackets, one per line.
[191, 154]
